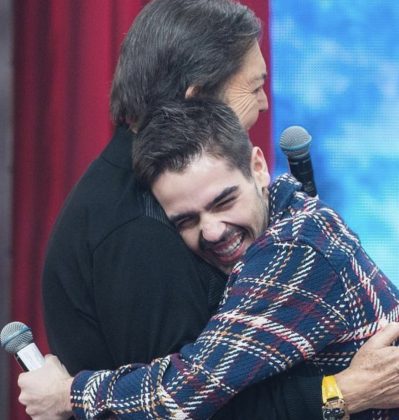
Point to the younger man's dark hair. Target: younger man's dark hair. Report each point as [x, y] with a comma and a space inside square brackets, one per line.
[178, 132]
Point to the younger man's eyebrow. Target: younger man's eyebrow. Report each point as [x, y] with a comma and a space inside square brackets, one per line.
[226, 192]
[176, 218]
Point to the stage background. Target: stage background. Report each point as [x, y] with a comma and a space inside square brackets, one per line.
[336, 73]
[334, 69]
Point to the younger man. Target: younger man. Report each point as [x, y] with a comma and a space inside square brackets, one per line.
[302, 292]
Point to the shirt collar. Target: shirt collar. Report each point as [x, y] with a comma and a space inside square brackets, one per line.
[119, 150]
[281, 193]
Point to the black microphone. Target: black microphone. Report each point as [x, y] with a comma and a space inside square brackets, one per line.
[17, 339]
[295, 143]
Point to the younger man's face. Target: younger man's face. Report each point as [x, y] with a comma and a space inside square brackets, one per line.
[216, 209]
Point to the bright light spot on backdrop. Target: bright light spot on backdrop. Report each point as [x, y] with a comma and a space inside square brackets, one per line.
[336, 72]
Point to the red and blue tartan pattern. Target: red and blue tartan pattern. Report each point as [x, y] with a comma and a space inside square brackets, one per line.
[305, 291]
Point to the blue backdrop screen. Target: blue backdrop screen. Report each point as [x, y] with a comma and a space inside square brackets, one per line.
[335, 71]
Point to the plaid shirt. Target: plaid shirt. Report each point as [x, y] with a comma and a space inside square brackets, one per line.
[305, 291]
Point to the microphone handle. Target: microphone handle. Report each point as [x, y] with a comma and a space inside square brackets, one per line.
[302, 170]
[29, 358]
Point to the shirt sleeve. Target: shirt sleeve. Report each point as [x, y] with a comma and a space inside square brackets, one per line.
[281, 307]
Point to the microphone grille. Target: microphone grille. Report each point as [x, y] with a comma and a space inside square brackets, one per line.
[295, 141]
[15, 336]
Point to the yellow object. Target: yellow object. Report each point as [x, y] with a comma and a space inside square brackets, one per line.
[333, 402]
[330, 389]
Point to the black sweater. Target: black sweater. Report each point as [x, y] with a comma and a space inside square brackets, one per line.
[119, 286]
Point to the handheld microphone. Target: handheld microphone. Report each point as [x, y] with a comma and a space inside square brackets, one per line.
[295, 143]
[17, 338]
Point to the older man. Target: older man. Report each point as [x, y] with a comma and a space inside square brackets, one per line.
[303, 295]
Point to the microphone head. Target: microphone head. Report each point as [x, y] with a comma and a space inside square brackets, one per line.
[15, 336]
[295, 142]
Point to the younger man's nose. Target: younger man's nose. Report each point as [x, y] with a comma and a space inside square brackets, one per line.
[213, 231]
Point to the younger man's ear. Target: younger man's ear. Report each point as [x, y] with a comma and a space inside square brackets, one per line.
[259, 169]
[192, 91]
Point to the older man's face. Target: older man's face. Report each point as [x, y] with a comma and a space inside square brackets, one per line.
[217, 210]
[244, 92]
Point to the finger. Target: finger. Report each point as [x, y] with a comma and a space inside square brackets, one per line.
[384, 337]
[30, 412]
[21, 399]
[20, 380]
[50, 359]
[383, 322]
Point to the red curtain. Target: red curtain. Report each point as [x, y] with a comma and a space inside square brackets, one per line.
[65, 52]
